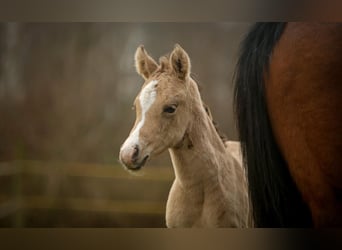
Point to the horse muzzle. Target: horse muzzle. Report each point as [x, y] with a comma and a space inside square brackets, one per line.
[131, 158]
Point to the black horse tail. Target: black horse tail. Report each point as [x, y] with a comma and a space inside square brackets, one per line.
[276, 201]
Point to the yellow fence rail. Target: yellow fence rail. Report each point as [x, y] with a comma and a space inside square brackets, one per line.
[30, 187]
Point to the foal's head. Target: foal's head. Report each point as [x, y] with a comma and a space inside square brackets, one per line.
[163, 106]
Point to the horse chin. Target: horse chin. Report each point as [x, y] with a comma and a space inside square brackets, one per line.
[139, 165]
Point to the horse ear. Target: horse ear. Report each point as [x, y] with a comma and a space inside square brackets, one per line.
[180, 62]
[144, 64]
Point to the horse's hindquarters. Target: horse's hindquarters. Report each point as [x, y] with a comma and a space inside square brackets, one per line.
[303, 93]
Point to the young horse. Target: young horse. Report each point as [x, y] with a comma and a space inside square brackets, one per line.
[210, 187]
[288, 103]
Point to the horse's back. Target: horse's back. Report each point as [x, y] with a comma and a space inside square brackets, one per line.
[234, 148]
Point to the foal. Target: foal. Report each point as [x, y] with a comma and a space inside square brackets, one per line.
[210, 188]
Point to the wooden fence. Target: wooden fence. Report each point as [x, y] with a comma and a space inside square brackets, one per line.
[50, 194]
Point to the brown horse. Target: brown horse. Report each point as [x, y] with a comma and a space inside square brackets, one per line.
[288, 99]
[210, 186]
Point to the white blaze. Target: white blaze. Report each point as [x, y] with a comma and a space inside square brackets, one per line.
[146, 99]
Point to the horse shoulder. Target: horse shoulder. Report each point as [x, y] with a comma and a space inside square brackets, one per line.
[235, 181]
[183, 207]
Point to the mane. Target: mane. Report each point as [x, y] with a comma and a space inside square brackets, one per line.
[222, 136]
[164, 66]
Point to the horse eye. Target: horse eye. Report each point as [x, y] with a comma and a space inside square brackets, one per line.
[170, 109]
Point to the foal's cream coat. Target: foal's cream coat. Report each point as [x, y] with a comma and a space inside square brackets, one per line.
[210, 188]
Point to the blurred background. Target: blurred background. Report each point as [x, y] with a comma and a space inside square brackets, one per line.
[66, 92]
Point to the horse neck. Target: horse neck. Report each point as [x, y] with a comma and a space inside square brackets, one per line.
[201, 152]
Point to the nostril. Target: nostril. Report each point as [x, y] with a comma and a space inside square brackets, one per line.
[135, 153]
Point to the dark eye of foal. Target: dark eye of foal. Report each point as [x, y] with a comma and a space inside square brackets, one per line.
[170, 109]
